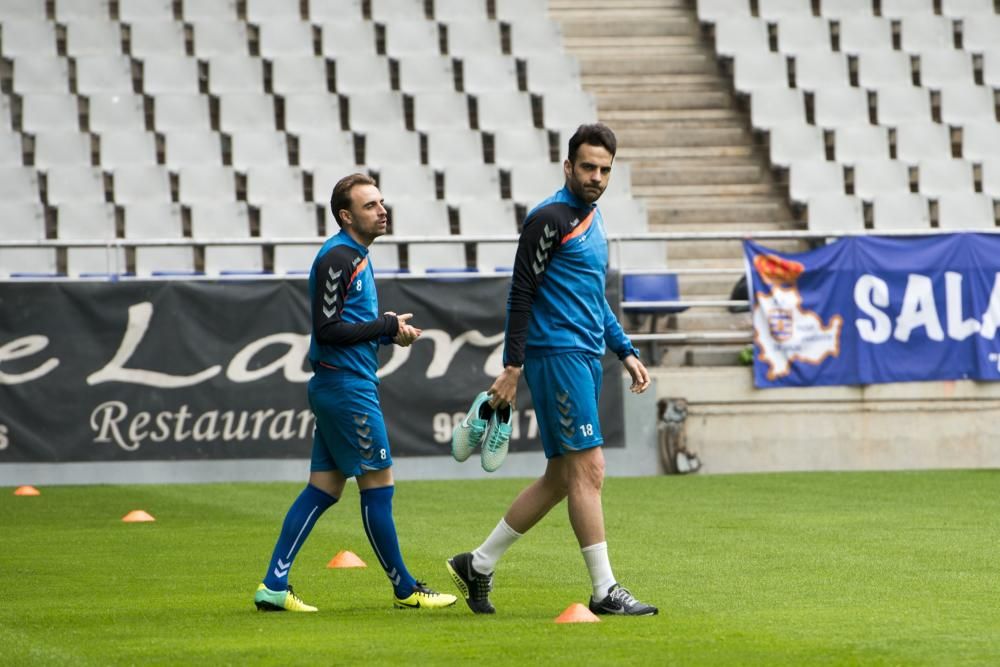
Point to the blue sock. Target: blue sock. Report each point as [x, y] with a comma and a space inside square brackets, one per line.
[299, 521]
[376, 515]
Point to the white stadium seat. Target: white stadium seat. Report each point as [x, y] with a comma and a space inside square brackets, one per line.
[835, 212]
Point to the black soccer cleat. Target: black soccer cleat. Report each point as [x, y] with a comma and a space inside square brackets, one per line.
[622, 603]
[475, 587]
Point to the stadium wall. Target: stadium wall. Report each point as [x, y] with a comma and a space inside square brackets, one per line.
[638, 457]
[736, 428]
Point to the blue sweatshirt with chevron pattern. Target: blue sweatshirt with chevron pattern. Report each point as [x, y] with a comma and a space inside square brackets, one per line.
[346, 325]
[557, 302]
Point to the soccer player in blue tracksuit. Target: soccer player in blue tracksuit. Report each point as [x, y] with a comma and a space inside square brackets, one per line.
[558, 324]
[350, 438]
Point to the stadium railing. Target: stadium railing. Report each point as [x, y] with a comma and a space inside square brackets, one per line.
[730, 336]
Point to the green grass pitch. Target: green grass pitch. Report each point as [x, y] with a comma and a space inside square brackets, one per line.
[790, 569]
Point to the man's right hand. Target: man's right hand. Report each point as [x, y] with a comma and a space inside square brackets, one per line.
[504, 389]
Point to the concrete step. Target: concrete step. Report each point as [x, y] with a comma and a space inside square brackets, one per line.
[718, 213]
[674, 120]
[633, 42]
[670, 121]
[556, 6]
[697, 175]
[643, 155]
[736, 226]
[628, 24]
[705, 190]
[638, 85]
[669, 81]
[697, 99]
[591, 64]
[723, 136]
[748, 202]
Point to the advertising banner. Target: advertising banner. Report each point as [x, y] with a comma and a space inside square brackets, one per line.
[188, 370]
[865, 310]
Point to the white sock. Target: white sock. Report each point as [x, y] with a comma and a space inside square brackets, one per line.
[596, 557]
[484, 558]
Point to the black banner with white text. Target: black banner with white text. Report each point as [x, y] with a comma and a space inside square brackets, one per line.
[188, 370]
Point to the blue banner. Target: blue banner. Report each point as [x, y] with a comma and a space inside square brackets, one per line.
[864, 310]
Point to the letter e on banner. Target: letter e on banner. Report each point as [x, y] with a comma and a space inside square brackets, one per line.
[25, 347]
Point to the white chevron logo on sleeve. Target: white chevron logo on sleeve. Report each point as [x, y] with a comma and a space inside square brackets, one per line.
[334, 276]
[330, 300]
[548, 231]
[329, 312]
[282, 570]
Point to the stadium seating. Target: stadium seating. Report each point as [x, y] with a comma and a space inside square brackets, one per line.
[260, 104]
[225, 221]
[150, 37]
[894, 89]
[134, 184]
[23, 221]
[835, 212]
[89, 222]
[146, 220]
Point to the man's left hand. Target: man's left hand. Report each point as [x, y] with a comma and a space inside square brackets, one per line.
[406, 334]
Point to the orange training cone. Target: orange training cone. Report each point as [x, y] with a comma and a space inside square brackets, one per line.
[577, 613]
[27, 491]
[137, 516]
[346, 559]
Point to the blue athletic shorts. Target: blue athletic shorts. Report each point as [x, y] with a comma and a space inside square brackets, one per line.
[350, 431]
[565, 389]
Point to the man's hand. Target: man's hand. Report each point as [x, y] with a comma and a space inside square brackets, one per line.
[640, 376]
[504, 389]
[406, 334]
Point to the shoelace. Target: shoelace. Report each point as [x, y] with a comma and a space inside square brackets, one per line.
[494, 440]
[421, 588]
[622, 596]
[295, 597]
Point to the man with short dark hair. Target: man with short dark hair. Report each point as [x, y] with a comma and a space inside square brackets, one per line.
[558, 323]
[350, 438]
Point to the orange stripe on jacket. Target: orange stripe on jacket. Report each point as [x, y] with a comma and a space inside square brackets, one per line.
[361, 267]
[580, 228]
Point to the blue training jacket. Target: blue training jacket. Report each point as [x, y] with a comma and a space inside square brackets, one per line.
[346, 325]
[556, 302]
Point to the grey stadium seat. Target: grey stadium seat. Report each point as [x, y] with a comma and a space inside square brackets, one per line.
[139, 184]
[145, 220]
[311, 112]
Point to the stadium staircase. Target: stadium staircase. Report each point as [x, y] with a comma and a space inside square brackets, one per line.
[693, 157]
